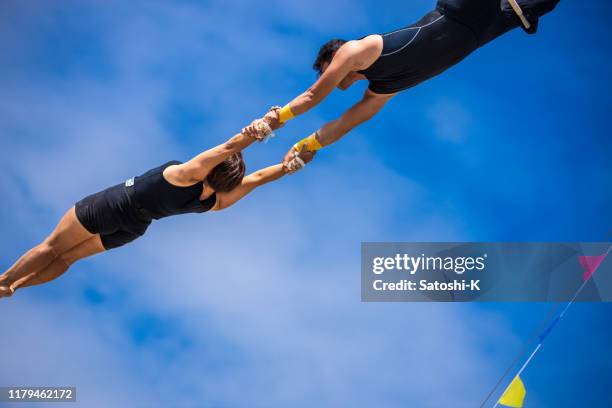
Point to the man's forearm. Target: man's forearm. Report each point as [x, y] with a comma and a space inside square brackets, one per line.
[361, 112]
[297, 106]
[343, 62]
[304, 103]
[327, 135]
[332, 132]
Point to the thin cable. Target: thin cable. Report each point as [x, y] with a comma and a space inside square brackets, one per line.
[532, 337]
[543, 336]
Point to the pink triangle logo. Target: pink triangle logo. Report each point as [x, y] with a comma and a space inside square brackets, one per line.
[590, 265]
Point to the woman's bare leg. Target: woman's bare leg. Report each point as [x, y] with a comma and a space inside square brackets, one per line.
[67, 234]
[61, 264]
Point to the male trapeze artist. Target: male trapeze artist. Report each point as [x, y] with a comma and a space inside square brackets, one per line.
[402, 59]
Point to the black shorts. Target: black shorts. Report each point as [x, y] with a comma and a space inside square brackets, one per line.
[113, 214]
[488, 19]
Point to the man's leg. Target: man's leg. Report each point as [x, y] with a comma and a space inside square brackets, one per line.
[61, 264]
[67, 234]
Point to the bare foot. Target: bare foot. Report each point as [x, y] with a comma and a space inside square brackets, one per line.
[5, 291]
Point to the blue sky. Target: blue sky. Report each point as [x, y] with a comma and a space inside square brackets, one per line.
[259, 306]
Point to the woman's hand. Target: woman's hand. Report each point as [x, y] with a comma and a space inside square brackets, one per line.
[272, 119]
[258, 130]
[251, 130]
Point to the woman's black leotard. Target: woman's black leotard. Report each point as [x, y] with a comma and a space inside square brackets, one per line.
[122, 213]
[443, 38]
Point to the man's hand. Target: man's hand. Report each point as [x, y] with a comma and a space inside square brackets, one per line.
[295, 161]
[272, 118]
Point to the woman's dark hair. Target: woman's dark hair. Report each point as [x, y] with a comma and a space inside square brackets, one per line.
[228, 175]
[326, 53]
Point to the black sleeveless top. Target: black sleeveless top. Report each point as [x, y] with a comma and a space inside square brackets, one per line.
[441, 39]
[419, 52]
[156, 198]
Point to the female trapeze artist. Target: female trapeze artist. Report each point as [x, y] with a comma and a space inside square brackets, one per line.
[211, 181]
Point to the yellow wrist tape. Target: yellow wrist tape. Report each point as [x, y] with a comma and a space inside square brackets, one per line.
[311, 143]
[286, 114]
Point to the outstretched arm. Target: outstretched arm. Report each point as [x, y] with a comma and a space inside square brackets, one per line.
[249, 183]
[198, 168]
[345, 60]
[342, 64]
[333, 131]
[359, 113]
[254, 180]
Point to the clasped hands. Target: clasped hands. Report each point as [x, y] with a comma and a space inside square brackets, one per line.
[294, 160]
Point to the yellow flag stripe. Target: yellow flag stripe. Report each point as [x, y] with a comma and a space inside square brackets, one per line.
[514, 395]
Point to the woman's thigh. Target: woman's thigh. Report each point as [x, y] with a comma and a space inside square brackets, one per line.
[85, 249]
[68, 233]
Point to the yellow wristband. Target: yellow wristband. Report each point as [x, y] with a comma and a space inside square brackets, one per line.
[286, 114]
[311, 143]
